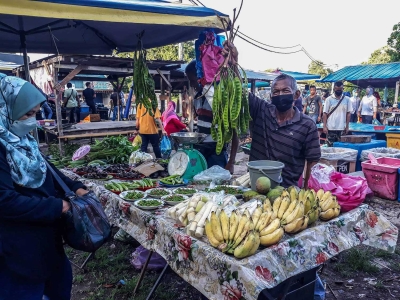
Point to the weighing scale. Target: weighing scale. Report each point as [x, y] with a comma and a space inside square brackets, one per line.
[187, 162]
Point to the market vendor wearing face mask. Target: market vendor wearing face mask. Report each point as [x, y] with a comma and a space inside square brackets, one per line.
[32, 258]
[282, 133]
[368, 106]
[337, 113]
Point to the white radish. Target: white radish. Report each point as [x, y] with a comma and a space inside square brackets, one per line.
[206, 209]
[201, 223]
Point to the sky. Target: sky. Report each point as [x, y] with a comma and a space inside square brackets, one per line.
[339, 33]
[342, 32]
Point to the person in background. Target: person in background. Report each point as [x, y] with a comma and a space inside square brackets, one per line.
[147, 125]
[71, 102]
[355, 102]
[46, 110]
[298, 101]
[368, 107]
[89, 95]
[313, 105]
[379, 105]
[202, 106]
[116, 103]
[337, 112]
[172, 122]
[33, 263]
[323, 98]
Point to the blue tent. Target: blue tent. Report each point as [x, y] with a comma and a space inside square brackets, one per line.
[298, 75]
[99, 26]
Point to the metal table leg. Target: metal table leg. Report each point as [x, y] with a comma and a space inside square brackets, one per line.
[154, 288]
[82, 267]
[142, 273]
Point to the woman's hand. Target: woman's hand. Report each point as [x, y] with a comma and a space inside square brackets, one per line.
[66, 206]
[81, 192]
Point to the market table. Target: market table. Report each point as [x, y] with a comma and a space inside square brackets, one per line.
[217, 275]
[93, 129]
[367, 128]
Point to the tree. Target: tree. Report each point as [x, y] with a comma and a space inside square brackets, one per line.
[272, 70]
[169, 52]
[394, 43]
[379, 56]
[317, 67]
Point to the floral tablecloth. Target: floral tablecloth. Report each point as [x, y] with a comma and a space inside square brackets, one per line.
[220, 276]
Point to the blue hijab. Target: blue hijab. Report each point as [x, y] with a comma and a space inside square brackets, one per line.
[17, 97]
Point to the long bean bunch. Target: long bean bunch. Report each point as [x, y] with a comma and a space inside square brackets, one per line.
[144, 85]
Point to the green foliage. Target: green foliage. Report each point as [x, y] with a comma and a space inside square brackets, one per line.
[317, 67]
[379, 56]
[394, 43]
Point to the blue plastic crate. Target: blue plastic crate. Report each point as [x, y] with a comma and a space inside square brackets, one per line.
[360, 147]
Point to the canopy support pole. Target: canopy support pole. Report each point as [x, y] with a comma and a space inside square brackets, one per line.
[396, 94]
[58, 93]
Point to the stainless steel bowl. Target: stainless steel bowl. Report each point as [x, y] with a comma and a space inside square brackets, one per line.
[188, 137]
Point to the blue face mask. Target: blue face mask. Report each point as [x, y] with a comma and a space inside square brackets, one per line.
[23, 127]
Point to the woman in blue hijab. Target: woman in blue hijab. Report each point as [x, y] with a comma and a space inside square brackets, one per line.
[32, 259]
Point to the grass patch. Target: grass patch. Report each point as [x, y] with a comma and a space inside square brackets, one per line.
[356, 260]
[79, 278]
[383, 254]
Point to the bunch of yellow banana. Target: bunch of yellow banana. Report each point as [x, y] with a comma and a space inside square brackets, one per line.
[234, 234]
[290, 211]
[328, 204]
[309, 198]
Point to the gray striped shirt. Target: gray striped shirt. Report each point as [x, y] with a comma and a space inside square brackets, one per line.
[291, 143]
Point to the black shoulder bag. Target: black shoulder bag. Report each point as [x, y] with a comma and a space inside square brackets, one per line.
[85, 227]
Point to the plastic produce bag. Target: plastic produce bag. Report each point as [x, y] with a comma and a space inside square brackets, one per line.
[350, 191]
[336, 153]
[139, 157]
[215, 173]
[380, 152]
[137, 142]
[166, 147]
[211, 58]
[139, 257]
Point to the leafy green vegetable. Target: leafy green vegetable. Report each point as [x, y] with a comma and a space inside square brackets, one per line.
[134, 195]
[149, 203]
[158, 192]
[185, 191]
[175, 198]
[227, 189]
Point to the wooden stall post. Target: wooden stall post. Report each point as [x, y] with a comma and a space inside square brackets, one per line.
[191, 108]
[58, 95]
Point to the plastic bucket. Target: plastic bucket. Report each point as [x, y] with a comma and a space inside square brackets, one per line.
[268, 168]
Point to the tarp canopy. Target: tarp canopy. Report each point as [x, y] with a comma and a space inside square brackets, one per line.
[99, 26]
[298, 75]
[10, 61]
[378, 75]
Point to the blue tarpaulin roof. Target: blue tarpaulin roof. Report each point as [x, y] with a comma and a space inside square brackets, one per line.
[100, 26]
[379, 75]
[298, 75]
[8, 62]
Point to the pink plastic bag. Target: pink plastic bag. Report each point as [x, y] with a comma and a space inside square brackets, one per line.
[350, 191]
[139, 257]
[211, 58]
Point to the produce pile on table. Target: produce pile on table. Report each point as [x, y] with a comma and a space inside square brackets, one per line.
[127, 186]
[263, 220]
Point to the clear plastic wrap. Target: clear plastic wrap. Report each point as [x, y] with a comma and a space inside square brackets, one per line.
[380, 152]
[335, 153]
[139, 157]
[214, 174]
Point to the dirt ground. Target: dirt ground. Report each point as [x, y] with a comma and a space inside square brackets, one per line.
[360, 273]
